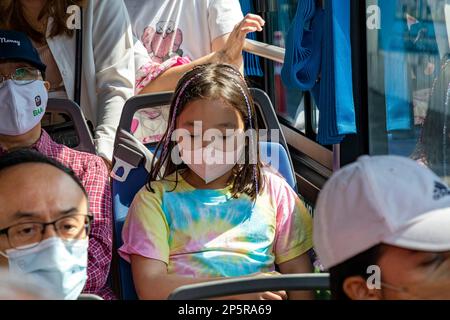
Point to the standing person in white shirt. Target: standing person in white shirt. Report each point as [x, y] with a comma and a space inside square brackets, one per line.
[108, 69]
[178, 35]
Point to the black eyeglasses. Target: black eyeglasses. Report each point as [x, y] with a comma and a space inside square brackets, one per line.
[22, 76]
[29, 235]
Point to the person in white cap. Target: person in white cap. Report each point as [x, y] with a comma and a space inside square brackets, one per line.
[382, 229]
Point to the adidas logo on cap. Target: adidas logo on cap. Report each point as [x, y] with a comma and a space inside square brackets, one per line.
[440, 191]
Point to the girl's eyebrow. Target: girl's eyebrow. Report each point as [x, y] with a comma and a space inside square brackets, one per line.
[188, 124]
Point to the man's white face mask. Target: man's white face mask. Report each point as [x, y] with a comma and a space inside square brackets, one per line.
[22, 107]
[56, 264]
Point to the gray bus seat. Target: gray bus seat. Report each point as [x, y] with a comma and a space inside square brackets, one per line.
[74, 134]
[89, 297]
[227, 287]
[264, 108]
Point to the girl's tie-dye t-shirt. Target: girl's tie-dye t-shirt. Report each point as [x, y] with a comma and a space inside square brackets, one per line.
[208, 233]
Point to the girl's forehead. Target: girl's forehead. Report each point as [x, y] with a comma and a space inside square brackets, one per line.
[213, 113]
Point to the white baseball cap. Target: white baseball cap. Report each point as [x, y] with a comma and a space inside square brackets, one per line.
[383, 199]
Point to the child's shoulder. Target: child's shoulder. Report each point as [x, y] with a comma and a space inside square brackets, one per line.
[158, 188]
[274, 183]
[278, 189]
[273, 178]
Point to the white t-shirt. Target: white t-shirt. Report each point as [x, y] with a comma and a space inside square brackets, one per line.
[182, 27]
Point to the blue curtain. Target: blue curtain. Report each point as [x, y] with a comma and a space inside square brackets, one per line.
[251, 62]
[396, 78]
[345, 108]
[318, 59]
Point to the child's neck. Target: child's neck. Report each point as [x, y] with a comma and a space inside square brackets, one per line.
[198, 183]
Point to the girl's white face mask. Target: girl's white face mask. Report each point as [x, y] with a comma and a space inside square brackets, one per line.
[211, 162]
[22, 107]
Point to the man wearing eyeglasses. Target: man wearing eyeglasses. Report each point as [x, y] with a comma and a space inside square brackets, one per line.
[23, 102]
[44, 223]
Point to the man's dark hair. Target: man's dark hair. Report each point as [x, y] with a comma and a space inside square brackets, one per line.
[24, 156]
[355, 266]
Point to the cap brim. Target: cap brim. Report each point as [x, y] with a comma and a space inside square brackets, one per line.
[430, 232]
[40, 66]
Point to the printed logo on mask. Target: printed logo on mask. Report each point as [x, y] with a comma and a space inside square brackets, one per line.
[38, 112]
[440, 191]
[22, 106]
[22, 265]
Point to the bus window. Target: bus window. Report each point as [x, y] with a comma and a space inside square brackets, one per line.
[289, 103]
[409, 80]
[297, 114]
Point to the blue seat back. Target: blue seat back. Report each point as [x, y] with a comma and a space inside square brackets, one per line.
[275, 155]
[123, 195]
[71, 109]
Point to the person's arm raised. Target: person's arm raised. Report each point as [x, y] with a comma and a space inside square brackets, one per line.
[228, 51]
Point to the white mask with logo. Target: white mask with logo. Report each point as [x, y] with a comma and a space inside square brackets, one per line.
[22, 107]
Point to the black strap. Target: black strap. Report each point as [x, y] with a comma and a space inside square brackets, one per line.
[78, 61]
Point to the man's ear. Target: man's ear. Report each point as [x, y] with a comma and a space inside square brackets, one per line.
[356, 288]
[3, 248]
[3, 262]
[47, 85]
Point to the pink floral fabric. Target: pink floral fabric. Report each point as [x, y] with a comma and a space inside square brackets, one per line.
[151, 70]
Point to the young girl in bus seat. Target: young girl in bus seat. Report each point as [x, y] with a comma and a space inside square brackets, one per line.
[211, 211]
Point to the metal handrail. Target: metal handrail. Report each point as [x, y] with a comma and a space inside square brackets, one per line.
[265, 50]
[236, 286]
[277, 54]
